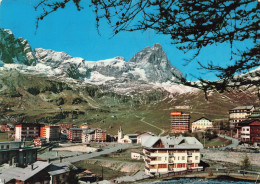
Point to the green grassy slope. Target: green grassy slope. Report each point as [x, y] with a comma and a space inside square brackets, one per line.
[25, 98]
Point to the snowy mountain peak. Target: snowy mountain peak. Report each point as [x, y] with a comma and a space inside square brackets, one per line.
[149, 67]
[154, 61]
[154, 55]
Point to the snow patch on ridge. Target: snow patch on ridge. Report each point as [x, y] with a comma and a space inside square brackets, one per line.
[176, 88]
[140, 72]
[97, 78]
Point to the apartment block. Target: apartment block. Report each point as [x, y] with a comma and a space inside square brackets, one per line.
[75, 134]
[50, 132]
[239, 114]
[88, 135]
[100, 135]
[171, 154]
[27, 131]
[180, 122]
[248, 131]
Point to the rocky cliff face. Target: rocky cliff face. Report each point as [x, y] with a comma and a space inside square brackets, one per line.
[14, 50]
[150, 65]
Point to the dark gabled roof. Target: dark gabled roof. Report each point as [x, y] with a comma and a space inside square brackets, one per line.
[172, 142]
[247, 122]
[60, 168]
[202, 118]
[243, 107]
[88, 131]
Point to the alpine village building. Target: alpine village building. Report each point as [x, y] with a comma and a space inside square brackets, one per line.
[239, 114]
[248, 131]
[171, 154]
[180, 122]
[201, 124]
[27, 131]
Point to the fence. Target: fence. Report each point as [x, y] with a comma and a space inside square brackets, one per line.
[178, 173]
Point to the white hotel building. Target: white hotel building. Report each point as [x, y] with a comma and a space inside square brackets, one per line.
[171, 154]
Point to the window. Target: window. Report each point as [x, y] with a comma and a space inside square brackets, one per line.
[197, 158]
[162, 166]
[183, 157]
[159, 158]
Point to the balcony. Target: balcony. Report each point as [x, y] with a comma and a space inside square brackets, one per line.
[189, 162]
[171, 162]
[147, 160]
[147, 168]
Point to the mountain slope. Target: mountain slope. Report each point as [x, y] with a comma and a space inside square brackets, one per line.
[47, 86]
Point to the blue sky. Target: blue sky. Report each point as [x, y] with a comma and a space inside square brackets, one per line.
[75, 33]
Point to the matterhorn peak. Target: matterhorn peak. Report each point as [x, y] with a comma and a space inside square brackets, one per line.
[154, 55]
[157, 46]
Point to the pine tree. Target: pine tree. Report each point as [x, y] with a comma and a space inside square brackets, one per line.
[245, 163]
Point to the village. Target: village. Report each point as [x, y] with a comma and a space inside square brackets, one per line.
[56, 153]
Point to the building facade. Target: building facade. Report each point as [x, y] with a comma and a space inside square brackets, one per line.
[142, 135]
[171, 154]
[201, 124]
[75, 134]
[248, 131]
[88, 135]
[15, 153]
[180, 122]
[239, 114]
[27, 131]
[50, 132]
[100, 135]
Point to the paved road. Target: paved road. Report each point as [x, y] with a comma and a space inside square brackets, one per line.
[162, 130]
[234, 143]
[87, 156]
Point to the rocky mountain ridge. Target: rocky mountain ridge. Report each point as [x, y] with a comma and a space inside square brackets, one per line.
[14, 50]
[149, 68]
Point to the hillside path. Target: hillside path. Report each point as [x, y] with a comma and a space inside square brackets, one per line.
[234, 143]
[92, 103]
[142, 119]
